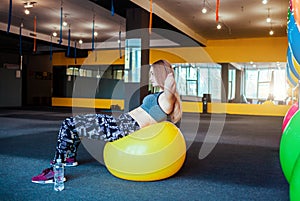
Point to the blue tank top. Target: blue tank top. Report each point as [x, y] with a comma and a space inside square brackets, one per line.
[151, 106]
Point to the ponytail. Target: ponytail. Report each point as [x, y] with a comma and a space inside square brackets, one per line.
[176, 114]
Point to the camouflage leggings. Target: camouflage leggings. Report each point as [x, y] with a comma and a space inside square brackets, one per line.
[93, 126]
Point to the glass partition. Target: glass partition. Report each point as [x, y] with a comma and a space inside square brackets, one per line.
[258, 84]
[265, 82]
[196, 79]
[133, 60]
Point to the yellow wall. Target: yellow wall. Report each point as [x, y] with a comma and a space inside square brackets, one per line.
[237, 108]
[270, 49]
[86, 102]
[248, 109]
[181, 55]
[96, 57]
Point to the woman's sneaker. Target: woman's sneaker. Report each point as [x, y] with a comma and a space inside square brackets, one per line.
[46, 177]
[70, 162]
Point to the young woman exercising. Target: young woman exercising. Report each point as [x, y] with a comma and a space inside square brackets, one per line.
[155, 108]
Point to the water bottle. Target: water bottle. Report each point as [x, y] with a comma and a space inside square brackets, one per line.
[58, 175]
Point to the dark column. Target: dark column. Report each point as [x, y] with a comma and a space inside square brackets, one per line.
[24, 72]
[238, 85]
[59, 81]
[224, 74]
[137, 22]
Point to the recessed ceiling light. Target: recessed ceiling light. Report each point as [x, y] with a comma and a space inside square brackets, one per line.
[204, 9]
[271, 32]
[264, 1]
[54, 34]
[80, 41]
[219, 26]
[26, 11]
[268, 18]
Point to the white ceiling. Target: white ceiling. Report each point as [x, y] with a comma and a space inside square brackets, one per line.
[240, 18]
[79, 15]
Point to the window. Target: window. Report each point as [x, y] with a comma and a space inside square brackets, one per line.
[197, 79]
[280, 85]
[251, 83]
[133, 60]
[265, 83]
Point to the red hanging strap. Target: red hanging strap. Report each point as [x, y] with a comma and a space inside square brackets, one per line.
[217, 10]
[150, 17]
[34, 30]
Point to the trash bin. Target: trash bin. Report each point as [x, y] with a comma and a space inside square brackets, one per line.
[205, 99]
[204, 104]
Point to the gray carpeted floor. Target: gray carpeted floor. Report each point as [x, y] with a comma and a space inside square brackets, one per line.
[244, 165]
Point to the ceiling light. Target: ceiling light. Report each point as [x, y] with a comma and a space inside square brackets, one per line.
[271, 32]
[29, 4]
[80, 41]
[54, 34]
[264, 1]
[65, 24]
[219, 26]
[268, 18]
[26, 11]
[95, 33]
[204, 9]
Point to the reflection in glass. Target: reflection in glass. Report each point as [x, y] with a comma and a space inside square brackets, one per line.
[132, 60]
[196, 79]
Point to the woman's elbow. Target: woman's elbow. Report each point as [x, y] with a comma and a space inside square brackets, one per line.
[169, 107]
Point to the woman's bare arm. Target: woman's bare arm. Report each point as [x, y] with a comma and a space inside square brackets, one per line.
[167, 99]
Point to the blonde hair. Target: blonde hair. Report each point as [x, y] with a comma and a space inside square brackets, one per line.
[161, 69]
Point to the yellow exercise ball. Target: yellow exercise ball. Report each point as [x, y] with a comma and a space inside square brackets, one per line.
[152, 153]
